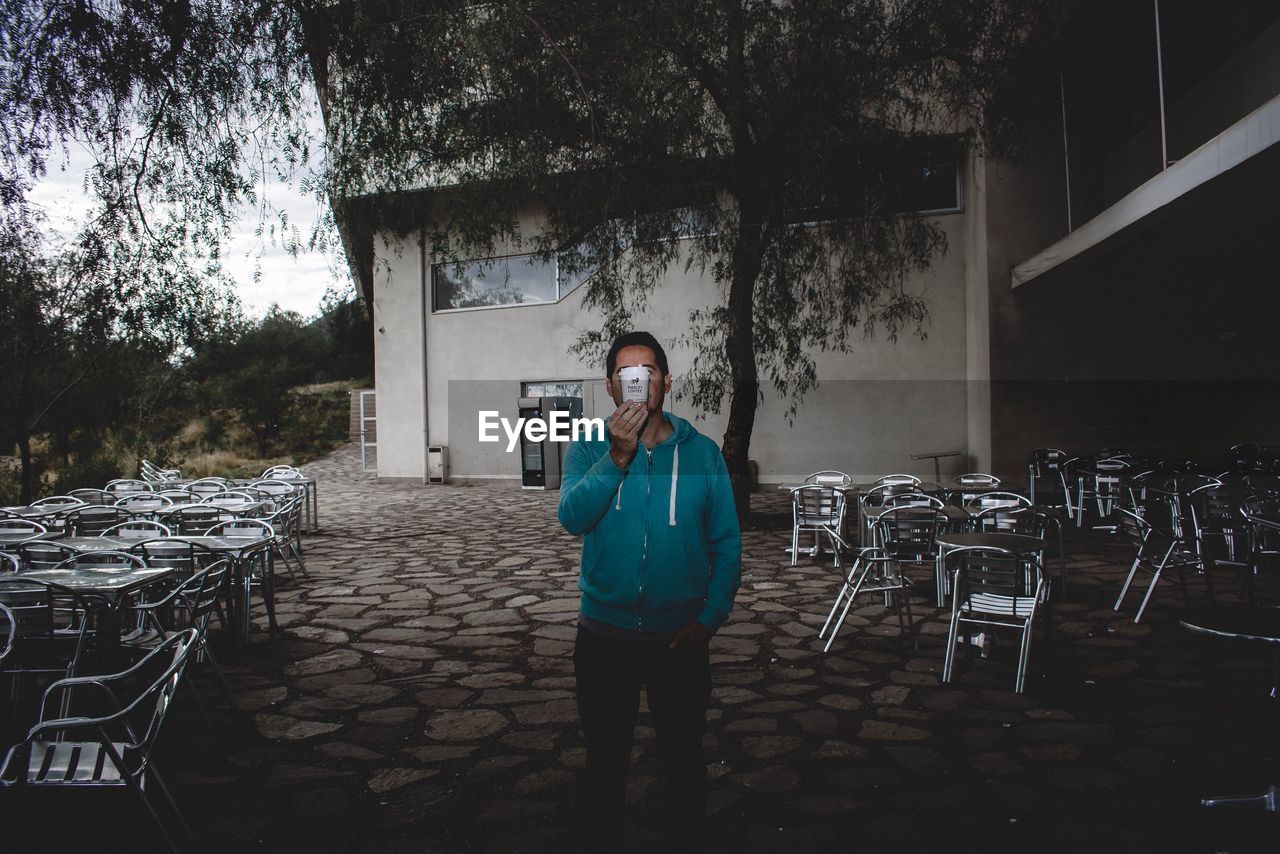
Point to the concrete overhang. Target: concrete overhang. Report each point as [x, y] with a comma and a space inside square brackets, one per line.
[1235, 163]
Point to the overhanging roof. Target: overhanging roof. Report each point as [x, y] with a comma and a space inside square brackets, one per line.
[1205, 172]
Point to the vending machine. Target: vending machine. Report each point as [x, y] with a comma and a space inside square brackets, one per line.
[540, 461]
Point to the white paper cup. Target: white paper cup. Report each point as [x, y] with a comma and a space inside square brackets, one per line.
[635, 384]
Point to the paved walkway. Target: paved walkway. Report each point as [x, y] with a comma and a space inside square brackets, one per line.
[421, 699]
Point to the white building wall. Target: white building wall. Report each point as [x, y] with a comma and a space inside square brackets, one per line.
[874, 407]
[398, 312]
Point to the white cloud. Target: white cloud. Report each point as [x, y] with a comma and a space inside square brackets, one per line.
[296, 284]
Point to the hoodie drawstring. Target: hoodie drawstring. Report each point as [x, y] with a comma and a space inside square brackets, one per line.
[675, 479]
[618, 505]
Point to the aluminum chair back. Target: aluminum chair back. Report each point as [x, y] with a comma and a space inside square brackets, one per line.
[88, 495]
[207, 486]
[183, 557]
[106, 559]
[138, 529]
[42, 554]
[16, 530]
[195, 519]
[909, 534]
[123, 485]
[54, 502]
[9, 626]
[829, 477]
[898, 478]
[94, 519]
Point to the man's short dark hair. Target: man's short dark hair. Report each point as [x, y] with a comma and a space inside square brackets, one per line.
[635, 339]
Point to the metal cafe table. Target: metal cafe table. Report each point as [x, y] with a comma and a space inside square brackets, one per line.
[1017, 543]
[112, 584]
[1255, 624]
[242, 551]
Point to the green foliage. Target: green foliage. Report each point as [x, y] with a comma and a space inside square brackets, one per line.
[91, 471]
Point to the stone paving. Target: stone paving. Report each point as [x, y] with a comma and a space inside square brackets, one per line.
[420, 698]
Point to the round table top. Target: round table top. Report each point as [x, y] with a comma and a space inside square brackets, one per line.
[1011, 542]
[1239, 622]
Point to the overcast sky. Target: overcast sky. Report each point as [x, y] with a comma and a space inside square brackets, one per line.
[296, 284]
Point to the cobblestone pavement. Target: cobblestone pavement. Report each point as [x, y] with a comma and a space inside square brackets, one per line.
[420, 698]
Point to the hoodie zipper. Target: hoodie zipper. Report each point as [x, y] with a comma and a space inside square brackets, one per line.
[644, 555]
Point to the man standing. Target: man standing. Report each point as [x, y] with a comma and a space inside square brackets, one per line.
[661, 562]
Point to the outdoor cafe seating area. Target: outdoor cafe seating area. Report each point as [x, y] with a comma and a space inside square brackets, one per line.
[996, 549]
[108, 595]
[427, 682]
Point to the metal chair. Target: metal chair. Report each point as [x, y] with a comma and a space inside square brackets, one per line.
[1103, 488]
[1221, 528]
[93, 519]
[9, 625]
[286, 522]
[1161, 543]
[282, 472]
[829, 478]
[207, 486]
[875, 501]
[185, 558]
[15, 530]
[1047, 479]
[195, 519]
[42, 554]
[277, 488]
[992, 500]
[89, 495]
[103, 559]
[993, 588]
[818, 510]
[898, 478]
[152, 473]
[137, 529]
[123, 485]
[258, 570]
[177, 495]
[50, 627]
[188, 606]
[9, 564]
[874, 570]
[57, 501]
[111, 751]
[970, 486]
[144, 502]
[1262, 522]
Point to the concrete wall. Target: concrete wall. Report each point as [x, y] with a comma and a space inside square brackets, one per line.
[398, 312]
[874, 407]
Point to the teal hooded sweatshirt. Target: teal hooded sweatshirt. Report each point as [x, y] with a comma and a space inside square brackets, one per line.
[661, 544]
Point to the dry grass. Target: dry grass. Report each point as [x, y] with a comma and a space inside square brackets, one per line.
[227, 463]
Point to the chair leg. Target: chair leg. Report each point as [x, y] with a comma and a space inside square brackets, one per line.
[795, 545]
[217, 672]
[1024, 657]
[1124, 589]
[952, 638]
[844, 586]
[853, 594]
[1155, 577]
[173, 807]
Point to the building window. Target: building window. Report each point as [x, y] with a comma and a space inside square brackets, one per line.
[567, 394]
[926, 183]
[492, 282]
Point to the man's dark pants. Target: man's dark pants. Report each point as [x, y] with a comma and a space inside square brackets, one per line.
[609, 673]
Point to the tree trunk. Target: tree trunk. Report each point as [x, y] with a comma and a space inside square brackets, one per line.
[740, 352]
[28, 474]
